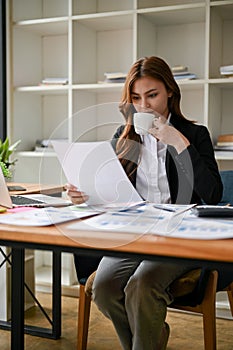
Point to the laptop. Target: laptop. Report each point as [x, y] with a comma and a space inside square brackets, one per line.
[28, 200]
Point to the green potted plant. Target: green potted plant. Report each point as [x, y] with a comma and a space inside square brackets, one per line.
[6, 162]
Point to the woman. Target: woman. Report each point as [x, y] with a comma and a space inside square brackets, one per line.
[174, 163]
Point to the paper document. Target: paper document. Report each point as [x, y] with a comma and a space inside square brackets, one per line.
[147, 219]
[95, 169]
[46, 216]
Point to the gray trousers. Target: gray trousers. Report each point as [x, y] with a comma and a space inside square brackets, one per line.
[134, 295]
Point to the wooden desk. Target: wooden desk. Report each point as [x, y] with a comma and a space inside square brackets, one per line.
[36, 188]
[60, 239]
[118, 243]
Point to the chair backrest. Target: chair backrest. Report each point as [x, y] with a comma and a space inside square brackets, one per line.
[227, 180]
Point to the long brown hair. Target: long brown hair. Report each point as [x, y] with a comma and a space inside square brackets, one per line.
[128, 145]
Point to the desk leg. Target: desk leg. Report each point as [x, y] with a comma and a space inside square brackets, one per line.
[56, 295]
[17, 299]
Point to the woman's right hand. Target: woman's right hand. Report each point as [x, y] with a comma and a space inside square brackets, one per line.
[76, 196]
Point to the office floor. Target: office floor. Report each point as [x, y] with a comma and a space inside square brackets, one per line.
[186, 330]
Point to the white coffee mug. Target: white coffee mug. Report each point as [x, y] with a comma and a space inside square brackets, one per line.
[143, 122]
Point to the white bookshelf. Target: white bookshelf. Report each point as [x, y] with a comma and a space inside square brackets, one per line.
[81, 40]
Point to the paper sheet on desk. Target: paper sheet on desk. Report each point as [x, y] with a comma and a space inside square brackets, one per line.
[46, 216]
[159, 222]
[95, 169]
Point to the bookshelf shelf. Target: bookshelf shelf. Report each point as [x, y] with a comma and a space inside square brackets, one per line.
[182, 14]
[102, 87]
[43, 89]
[81, 7]
[221, 155]
[107, 20]
[36, 154]
[222, 82]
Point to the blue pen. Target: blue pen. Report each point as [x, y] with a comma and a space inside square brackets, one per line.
[164, 208]
[134, 208]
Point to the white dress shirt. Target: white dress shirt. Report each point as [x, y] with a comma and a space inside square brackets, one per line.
[151, 180]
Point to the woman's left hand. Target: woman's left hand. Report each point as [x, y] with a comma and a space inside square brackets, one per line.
[169, 135]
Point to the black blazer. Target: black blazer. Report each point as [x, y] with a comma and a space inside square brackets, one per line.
[193, 174]
[193, 177]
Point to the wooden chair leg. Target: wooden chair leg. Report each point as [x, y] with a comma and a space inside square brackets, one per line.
[209, 312]
[83, 318]
[230, 296]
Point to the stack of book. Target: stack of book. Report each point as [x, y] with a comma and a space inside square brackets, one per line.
[54, 81]
[181, 73]
[115, 77]
[224, 144]
[226, 71]
[45, 145]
